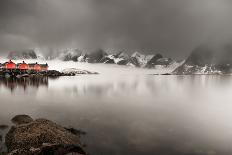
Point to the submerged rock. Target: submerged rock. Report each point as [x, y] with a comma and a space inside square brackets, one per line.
[42, 136]
[21, 119]
[3, 127]
[166, 74]
[3, 149]
[75, 131]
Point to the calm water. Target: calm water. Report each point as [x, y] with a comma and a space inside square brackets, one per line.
[131, 114]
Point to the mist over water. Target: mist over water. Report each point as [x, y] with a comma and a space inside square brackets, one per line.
[124, 110]
[133, 113]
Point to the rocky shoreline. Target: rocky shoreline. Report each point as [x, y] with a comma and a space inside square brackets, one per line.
[18, 74]
[50, 73]
[40, 137]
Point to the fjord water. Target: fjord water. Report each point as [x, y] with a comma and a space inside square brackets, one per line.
[131, 113]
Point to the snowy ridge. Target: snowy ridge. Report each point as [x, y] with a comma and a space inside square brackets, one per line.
[198, 70]
[142, 59]
[137, 59]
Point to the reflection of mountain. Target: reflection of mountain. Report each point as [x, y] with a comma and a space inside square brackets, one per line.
[13, 83]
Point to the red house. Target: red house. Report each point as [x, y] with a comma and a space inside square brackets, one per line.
[37, 67]
[34, 66]
[44, 67]
[10, 65]
[23, 66]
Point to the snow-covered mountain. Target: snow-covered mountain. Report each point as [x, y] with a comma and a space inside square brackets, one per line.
[203, 60]
[98, 56]
[39, 55]
[208, 60]
[70, 55]
[119, 58]
[139, 60]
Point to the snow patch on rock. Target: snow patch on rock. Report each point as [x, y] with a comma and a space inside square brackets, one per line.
[77, 71]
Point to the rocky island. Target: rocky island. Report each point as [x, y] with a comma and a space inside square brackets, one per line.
[41, 136]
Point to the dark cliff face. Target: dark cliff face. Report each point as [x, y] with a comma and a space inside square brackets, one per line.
[107, 60]
[72, 56]
[205, 55]
[96, 56]
[22, 54]
[124, 58]
[134, 61]
[153, 61]
[201, 56]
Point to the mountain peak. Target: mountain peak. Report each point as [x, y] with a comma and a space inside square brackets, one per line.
[207, 59]
[136, 54]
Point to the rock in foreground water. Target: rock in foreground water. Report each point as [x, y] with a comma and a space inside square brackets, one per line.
[3, 127]
[42, 137]
[21, 119]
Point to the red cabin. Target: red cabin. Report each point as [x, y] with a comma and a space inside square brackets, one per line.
[23, 66]
[44, 67]
[10, 65]
[37, 67]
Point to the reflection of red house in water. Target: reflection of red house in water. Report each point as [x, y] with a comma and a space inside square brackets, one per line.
[10, 65]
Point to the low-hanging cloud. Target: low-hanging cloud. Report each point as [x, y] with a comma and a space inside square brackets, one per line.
[171, 27]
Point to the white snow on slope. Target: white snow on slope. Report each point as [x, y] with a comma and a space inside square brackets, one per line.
[142, 59]
[116, 60]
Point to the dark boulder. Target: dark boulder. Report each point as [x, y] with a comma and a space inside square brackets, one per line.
[75, 131]
[72, 55]
[166, 74]
[21, 119]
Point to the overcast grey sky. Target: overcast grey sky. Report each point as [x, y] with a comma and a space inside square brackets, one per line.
[170, 27]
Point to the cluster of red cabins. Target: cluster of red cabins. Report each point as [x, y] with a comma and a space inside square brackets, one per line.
[10, 65]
